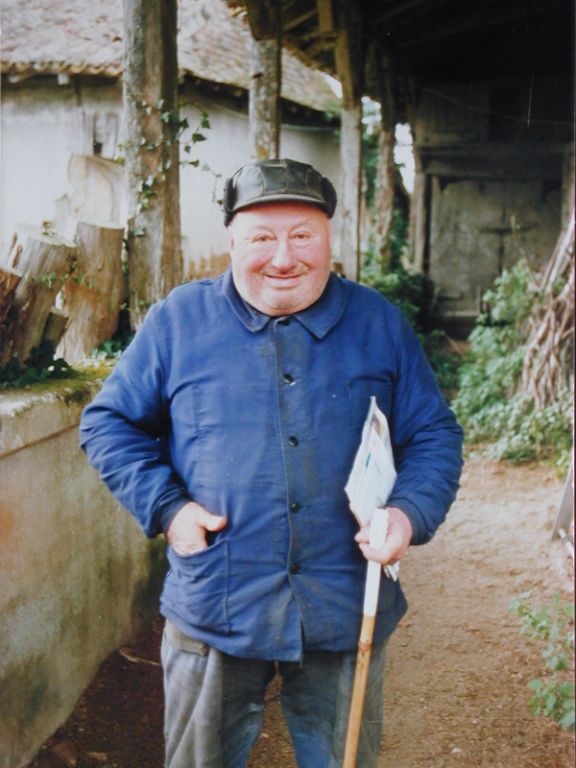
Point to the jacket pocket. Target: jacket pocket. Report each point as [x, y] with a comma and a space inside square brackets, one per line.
[200, 586]
[362, 389]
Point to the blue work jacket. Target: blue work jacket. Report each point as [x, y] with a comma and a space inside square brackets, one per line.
[258, 418]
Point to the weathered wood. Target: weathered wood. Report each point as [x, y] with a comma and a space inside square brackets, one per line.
[325, 16]
[386, 170]
[264, 105]
[152, 125]
[9, 281]
[349, 204]
[548, 364]
[265, 80]
[93, 297]
[350, 59]
[45, 262]
[55, 326]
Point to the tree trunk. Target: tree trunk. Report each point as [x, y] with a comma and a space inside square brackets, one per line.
[94, 296]
[45, 263]
[152, 126]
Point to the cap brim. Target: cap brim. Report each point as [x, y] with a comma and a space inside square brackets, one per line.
[282, 198]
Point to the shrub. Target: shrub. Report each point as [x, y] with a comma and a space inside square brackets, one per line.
[552, 627]
[488, 404]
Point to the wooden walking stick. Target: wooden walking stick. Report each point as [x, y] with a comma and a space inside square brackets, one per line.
[368, 488]
[378, 530]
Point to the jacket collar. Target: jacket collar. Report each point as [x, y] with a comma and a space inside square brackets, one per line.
[318, 319]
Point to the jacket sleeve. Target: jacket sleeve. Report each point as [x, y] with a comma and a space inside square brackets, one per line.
[123, 431]
[427, 441]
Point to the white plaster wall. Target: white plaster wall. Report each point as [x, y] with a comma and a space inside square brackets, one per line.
[43, 123]
[36, 134]
[224, 151]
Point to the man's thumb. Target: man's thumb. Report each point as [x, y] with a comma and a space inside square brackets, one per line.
[214, 522]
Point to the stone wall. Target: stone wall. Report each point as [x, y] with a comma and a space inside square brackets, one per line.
[77, 576]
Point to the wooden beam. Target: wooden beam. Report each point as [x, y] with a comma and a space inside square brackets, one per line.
[396, 9]
[291, 23]
[325, 16]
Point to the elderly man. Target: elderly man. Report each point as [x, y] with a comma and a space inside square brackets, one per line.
[230, 424]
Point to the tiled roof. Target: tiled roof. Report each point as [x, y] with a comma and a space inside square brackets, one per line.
[79, 37]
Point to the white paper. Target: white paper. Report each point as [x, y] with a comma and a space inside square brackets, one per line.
[372, 477]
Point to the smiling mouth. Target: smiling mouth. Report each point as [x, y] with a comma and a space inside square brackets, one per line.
[283, 280]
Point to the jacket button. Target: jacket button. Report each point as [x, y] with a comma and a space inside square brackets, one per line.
[294, 568]
[288, 378]
[293, 441]
[295, 507]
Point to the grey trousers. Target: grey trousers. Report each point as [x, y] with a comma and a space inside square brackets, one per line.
[215, 705]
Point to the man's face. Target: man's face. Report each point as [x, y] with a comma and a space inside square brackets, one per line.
[281, 255]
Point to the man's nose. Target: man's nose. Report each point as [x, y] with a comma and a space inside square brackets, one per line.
[283, 258]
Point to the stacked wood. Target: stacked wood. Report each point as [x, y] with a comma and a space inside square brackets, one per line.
[94, 294]
[548, 364]
[9, 281]
[36, 267]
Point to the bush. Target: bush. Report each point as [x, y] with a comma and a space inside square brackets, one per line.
[553, 628]
[488, 404]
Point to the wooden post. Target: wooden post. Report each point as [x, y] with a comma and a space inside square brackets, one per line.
[386, 174]
[265, 79]
[350, 59]
[349, 204]
[150, 93]
[94, 296]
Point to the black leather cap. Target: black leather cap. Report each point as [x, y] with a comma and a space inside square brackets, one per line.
[271, 181]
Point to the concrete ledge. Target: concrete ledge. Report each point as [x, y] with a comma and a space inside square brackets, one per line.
[78, 578]
[30, 416]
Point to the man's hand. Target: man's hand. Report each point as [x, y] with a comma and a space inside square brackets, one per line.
[397, 540]
[186, 533]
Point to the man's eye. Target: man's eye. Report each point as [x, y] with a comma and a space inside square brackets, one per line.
[302, 236]
[261, 239]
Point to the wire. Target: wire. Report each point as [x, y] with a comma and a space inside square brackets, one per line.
[484, 111]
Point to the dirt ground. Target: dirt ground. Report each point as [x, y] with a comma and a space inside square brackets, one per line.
[456, 693]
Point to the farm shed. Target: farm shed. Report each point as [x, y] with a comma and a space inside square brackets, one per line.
[62, 103]
[486, 89]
